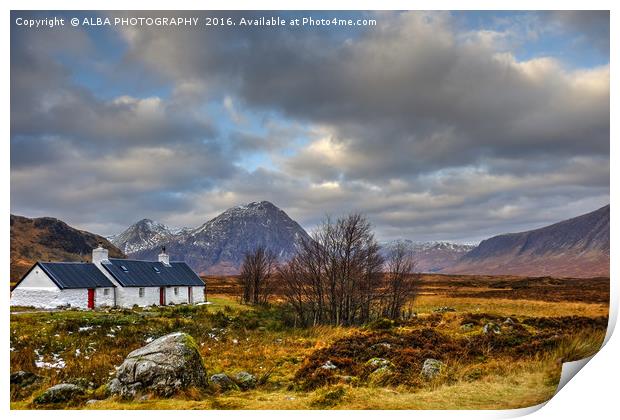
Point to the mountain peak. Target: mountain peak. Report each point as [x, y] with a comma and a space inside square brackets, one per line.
[219, 245]
[141, 235]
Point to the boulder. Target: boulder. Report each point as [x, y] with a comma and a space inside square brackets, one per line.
[379, 363]
[491, 327]
[245, 380]
[382, 371]
[329, 365]
[431, 368]
[23, 379]
[59, 394]
[163, 367]
[222, 381]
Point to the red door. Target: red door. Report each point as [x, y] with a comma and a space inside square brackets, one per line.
[162, 296]
[190, 297]
[91, 298]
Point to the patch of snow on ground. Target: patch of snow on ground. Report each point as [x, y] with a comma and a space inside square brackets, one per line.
[56, 363]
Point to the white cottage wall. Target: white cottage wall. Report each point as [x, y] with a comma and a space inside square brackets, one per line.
[49, 298]
[198, 294]
[129, 296]
[101, 299]
[175, 299]
[37, 290]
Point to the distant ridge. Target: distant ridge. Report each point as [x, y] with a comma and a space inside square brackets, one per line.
[577, 247]
[431, 257]
[50, 239]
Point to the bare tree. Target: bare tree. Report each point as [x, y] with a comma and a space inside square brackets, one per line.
[401, 280]
[336, 277]
[257, 271]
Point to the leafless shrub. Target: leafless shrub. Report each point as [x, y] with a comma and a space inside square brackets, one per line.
[256, 276]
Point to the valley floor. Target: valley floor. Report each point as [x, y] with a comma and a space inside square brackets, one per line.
[551, 320]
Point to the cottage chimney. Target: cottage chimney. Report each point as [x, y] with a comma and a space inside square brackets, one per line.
[163, 257]
[99, 254]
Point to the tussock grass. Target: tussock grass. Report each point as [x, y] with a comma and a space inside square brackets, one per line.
[232, 337]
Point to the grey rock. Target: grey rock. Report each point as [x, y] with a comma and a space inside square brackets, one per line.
[491, 327]
[467, 327]
[164, 367]
[60, 393]
[329, 365]
[509, 321]
[245, 380]
[22, 378]
[381, 375]
[222, 381]
[431, 368]
[444, 309]
[379, 363]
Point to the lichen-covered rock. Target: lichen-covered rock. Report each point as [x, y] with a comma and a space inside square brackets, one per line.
[381, 376]
[379, 363]
[329, 365]
[431, 368]
[467, 327]
[245, 380]
[382, 371]
[444, 309]
[23, 379]
[163, 367]
[222, 381]
[59, 394]
[22, 384]
[491, 327]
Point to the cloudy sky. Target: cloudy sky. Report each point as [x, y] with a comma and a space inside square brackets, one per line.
[437, 126]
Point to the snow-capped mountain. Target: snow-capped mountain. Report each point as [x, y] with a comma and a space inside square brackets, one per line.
[142, 235]
[219, 245]
[431, 256]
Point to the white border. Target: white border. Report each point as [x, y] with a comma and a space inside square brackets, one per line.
[592, 395]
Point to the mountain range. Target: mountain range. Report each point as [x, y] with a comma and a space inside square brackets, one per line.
[431, 257]
[577, 247]
[219, 245]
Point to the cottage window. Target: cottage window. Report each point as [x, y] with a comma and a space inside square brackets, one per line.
[141, 292]
[106, 292]
[176, 291]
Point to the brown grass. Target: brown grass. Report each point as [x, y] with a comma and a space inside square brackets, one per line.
[518, 368]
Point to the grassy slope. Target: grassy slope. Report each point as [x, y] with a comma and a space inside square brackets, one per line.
[233, 337]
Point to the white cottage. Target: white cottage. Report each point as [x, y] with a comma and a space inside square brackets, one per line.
[108, 282]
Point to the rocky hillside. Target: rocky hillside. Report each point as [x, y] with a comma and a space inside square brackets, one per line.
[141, 236]
[219, 245]
[431, 257]
[49, 239]
[577, 247]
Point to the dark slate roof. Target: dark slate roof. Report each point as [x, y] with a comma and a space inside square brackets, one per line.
[151, 273]
[72, 275]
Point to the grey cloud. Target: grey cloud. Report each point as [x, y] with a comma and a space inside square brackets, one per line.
[593, 25]
[407, 93]
[431, 135]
